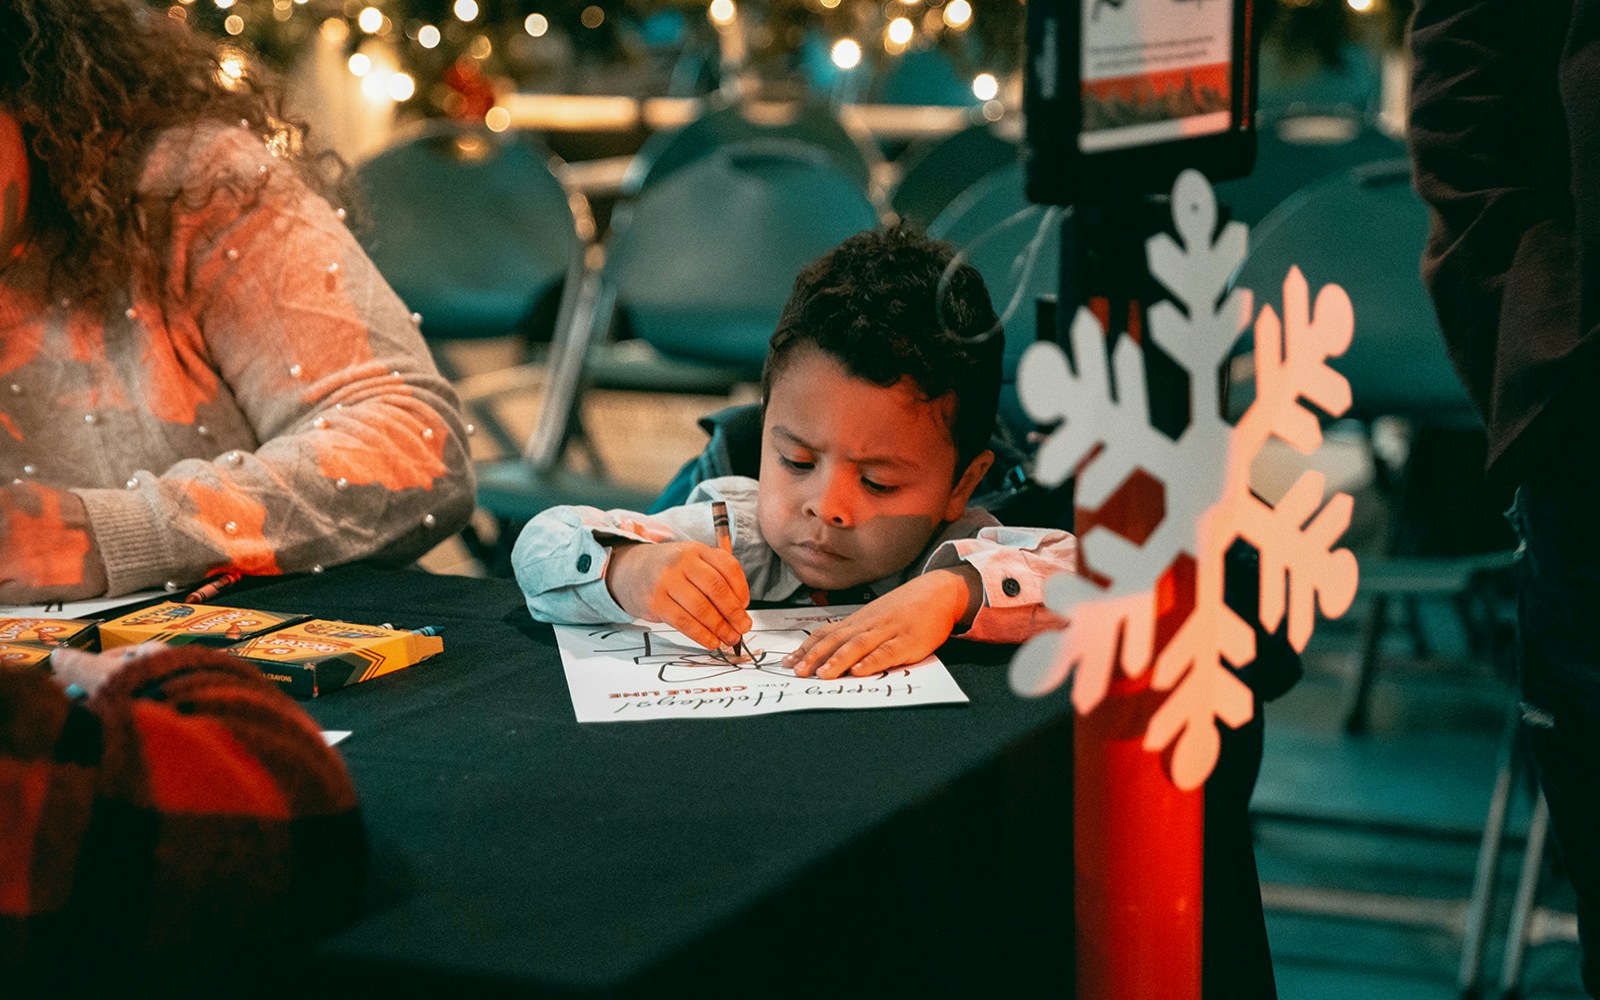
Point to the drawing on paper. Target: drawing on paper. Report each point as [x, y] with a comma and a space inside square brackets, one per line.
[683, 662]
[643, 670]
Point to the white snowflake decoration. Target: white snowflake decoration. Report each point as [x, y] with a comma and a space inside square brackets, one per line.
[1105, 435]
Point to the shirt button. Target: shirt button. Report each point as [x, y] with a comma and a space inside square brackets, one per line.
[584, 562]
[1011, 587]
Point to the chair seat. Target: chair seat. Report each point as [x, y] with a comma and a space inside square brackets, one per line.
[1427, 576]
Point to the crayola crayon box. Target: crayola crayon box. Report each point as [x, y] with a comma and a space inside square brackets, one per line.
[191, 624]
[16, 654]
[309, 658]
[47, 633]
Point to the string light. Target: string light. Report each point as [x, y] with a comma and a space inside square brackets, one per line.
[428, 36]
[370, 20]
[592, 17]
[536, 25]
[985, 87]
[334, 30]
[233, 24]
[900, 31]
[1361, 6]
[846, 53]
[466, 10]
[360, 64]
[721, 12]
[957, 14]
[401, 87]
[498, 119]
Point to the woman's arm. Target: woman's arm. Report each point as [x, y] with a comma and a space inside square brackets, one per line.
[269, 300]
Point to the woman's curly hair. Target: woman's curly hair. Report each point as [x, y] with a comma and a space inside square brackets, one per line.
[93, 82]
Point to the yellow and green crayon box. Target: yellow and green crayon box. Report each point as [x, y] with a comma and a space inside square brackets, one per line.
[191, 624]
[48, 632]
[313, 657]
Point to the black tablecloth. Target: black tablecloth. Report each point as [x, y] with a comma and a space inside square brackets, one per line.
[518, 851]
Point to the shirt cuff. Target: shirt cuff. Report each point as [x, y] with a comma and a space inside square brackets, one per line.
[130, 531]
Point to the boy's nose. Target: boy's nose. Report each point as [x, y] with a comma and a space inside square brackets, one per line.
[831, 504]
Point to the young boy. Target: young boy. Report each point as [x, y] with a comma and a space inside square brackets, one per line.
[879, 396]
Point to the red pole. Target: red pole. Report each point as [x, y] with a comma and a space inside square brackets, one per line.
[1138, 841]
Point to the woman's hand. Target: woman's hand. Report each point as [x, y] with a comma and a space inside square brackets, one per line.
[90, 671]
[47, 552]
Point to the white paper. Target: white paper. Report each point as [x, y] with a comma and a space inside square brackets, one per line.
[639, 671]
[76, 609]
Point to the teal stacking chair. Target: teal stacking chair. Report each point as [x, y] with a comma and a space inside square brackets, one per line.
[1296, 150]
[1016, 246]
[727, 124]
[1364, 229]
[476, 233]
[937, 174]
[923, 76]
[703, 263]
[627, 362]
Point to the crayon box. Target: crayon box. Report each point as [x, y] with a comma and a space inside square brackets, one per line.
[314, 657]
[28, 641]
[191, 624]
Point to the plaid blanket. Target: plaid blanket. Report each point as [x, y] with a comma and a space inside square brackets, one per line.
[188, 807]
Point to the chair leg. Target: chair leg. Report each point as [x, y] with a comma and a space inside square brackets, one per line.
[1420, 646]
[1360, 690]
[1476, 924]
[1527, 892]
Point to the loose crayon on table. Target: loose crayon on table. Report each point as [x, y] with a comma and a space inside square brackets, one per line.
[212, 587]
[719, 523]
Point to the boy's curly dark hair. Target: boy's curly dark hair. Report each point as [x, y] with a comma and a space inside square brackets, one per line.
[92, 82]
[887, 305]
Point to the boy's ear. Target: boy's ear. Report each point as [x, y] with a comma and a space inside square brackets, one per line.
[962, 491]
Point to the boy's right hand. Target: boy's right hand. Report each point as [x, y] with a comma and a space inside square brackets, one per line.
[698, 589]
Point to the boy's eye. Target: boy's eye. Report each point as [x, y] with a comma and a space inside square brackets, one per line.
[881, 489]
[794, 464]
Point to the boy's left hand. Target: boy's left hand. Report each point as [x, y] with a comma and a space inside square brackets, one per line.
[901, 627]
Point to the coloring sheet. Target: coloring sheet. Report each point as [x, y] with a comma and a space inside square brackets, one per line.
[643, 670]
[91, 608]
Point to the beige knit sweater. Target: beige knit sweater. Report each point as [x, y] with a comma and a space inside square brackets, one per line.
[261, 401]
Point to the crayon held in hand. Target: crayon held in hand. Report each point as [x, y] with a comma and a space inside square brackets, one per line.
[719, 523]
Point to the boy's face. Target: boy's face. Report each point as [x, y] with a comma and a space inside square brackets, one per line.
[855, 477]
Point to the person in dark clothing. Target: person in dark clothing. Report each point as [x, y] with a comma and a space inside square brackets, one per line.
[1505, 143]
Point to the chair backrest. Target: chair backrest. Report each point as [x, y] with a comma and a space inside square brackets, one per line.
[924, 76]
[470, 227]
[996, 225]
[667, 152]
[938, 174]
[1291, 84]
[1296, 150]
[1364, 230]
[707, 257]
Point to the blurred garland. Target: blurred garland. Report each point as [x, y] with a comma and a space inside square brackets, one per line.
[651, 43]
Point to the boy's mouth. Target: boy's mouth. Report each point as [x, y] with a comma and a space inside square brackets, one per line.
[818, 553]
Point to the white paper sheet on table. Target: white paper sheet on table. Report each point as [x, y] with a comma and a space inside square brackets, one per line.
[639, 671]
[76, 609]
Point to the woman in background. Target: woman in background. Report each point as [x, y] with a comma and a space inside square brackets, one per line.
[199, 368]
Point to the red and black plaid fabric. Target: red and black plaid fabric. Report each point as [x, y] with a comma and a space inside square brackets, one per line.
[188, 805]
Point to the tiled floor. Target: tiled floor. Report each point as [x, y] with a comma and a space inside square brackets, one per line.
[1428, 760]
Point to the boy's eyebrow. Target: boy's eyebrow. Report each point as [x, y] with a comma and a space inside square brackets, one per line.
[794, 438]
